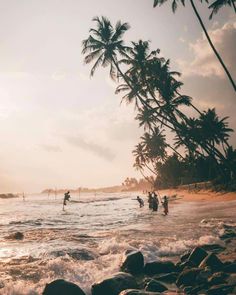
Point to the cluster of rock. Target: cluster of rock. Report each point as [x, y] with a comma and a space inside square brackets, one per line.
[197, 272]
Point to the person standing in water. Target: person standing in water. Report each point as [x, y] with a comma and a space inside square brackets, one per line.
[165, 205]
[66, 198]
[141, 202]
[155, 202]
[150, 201]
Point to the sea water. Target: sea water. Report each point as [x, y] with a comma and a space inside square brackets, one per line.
[85, 242]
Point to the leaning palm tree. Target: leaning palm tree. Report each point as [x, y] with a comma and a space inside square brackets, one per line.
[174, 7]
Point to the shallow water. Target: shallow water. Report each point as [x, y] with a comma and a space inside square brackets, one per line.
[86, 242]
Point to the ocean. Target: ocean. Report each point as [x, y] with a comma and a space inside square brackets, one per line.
[85, 242]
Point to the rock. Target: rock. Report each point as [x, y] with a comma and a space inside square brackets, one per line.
[222, 289]
[229, 234]
[204, 276]
[230, 268]
[114, 284]
[77, 254]
[197, 255]
[137, 292]
[214, 248]
[61, 287]
[133, 262]
[155, 286]
[218, 278]
[231, 280]
[188, 277]
[157, 267]
[185, 256]
[213, 262]
[168, 278]
[186, 264]
[201, 289]
[18, 236]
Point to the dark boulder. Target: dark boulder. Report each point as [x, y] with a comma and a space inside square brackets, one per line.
[228, 234]
[155, 286]
[133, 262]
[223, 289]
[158, 267]
[114, 284]
[230, 268]
[167, 278]
[61, 287]
[214, 248]
[188, 277]
[213, 262]
[197, 255]
[218, 278]
[185, 256]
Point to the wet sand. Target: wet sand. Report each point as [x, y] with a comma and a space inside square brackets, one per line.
[200, 195]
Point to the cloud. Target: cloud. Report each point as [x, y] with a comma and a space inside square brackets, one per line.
[51, 148]
[204, 62]
[96, 149]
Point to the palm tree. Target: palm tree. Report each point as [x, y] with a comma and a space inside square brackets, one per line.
[103, 45]
[218, 4]
[174, 7]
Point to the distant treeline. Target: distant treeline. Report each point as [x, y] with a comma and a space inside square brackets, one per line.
[8, 196]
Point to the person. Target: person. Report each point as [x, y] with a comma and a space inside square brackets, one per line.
[155, 202]
[150, 200]
[66, 198]
[165, 205]
[141, 202]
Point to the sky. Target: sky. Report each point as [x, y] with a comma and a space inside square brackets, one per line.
[58, 127]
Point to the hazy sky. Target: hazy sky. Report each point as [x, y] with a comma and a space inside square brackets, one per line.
[58, 127]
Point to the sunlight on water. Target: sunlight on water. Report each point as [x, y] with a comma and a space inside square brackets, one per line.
[86, 242]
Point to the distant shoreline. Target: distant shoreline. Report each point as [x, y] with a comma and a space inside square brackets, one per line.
[8, 196]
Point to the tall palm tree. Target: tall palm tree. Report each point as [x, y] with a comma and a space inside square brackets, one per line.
[103, 45]
[174, 7]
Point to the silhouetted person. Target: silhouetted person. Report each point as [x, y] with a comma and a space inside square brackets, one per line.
[155, 202]
[165, 205]
[141, 202]
[66, 198]
[150, 200]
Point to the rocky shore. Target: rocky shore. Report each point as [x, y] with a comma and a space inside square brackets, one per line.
[199, 271]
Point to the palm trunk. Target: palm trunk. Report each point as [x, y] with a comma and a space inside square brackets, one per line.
[212, 46]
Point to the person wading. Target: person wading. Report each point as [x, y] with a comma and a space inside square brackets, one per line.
[66, 198]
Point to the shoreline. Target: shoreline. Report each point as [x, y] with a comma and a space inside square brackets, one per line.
[199, 196]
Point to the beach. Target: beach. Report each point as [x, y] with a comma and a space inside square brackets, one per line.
[86, 242]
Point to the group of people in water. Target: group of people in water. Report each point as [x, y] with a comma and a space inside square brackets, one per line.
[153, 202]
